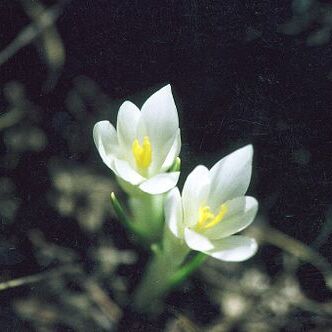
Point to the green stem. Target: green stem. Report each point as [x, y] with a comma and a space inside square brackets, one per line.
[164, 271]
[148, 215]
[156, 282]
[147, 212]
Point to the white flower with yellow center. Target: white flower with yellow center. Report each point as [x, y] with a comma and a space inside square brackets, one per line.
[213, 208]
[145, 144]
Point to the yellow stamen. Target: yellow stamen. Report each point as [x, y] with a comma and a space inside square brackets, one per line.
[142, 153]
[207, 219]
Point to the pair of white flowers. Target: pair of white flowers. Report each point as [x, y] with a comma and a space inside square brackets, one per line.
[141, 152]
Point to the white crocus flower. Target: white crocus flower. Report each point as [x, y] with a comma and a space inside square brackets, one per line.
[145, 143]
[213, 207]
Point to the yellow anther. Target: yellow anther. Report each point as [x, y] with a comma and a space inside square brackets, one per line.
[142, 153]
[207, 219]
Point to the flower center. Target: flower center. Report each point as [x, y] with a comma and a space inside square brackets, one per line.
[207, 219]
[142, 153]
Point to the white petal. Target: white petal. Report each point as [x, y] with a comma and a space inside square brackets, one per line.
[127, 122]
[173, 153]
[230, 177]
[233, 249]
[161, 123]
[197, 241]
[160, 183]
[173, 212]
[105, 138]
[127, 173]
[241, 212]
[195, 193]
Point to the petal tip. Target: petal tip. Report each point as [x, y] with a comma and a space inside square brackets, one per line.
[251, 202]
[197, 241]
[100, 123]
[165, 91]
[167, 88]
[127, 104]
[247, 150]
[159, 184]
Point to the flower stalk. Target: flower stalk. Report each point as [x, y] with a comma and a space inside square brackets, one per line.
[148, 217]
[161, 274]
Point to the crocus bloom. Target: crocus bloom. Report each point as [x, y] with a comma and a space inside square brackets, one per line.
[213, 207]
[145, 143]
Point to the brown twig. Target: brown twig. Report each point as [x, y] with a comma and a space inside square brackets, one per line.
[106, 305]
[45, 20]
[39, 277]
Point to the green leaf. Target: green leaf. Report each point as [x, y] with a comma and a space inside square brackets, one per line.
[185, 271]
[123, 217]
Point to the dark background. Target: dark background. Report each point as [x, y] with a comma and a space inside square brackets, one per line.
[238, 77]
